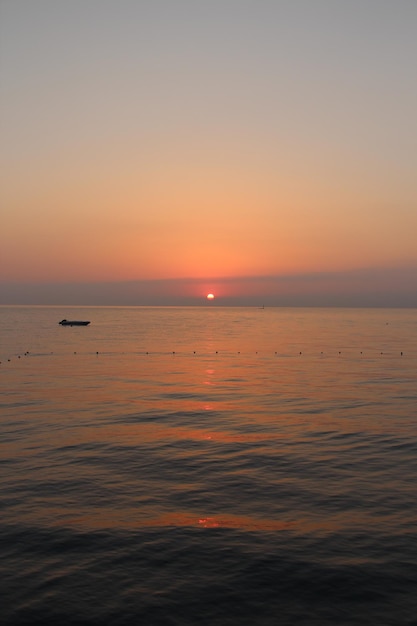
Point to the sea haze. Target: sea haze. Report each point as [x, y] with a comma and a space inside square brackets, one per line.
[211, 466]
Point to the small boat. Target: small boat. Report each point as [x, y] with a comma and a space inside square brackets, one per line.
[73, 323]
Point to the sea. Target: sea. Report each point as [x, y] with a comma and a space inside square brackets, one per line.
[208, 466]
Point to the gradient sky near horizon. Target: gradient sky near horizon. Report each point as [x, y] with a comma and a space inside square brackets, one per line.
[174, 139]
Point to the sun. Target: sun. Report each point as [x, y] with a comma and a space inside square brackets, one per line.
[210, 296]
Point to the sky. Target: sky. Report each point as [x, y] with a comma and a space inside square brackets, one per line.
[154, 151]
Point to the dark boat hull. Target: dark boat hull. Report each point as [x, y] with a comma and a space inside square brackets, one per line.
[73, 323]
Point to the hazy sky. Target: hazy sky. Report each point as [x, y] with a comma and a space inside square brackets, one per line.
[160, 140]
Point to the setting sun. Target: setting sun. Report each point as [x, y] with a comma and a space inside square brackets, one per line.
[210, 296]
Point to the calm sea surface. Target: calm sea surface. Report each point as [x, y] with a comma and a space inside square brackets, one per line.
[208, 466]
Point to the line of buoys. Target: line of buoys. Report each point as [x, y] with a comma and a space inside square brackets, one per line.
[257, 352]
[174, 352]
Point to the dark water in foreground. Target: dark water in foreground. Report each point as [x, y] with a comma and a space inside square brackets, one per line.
[208, 466]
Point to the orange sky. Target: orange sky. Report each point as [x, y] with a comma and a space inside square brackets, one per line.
[231, 140]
